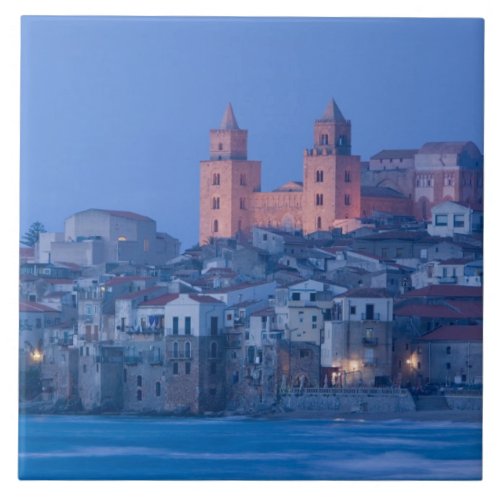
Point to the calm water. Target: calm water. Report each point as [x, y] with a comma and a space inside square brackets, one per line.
[87, 447]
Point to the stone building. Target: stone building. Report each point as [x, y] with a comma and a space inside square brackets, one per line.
[357, 346]
[231, 201]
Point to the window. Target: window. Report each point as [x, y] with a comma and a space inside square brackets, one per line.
[243, 180]
[229, 317]
[38, 323]
[459, 220]
[318, 223]
[175, 350]
[264, 237]
[213, 368]
[175, 368]
[295, 295]
[220, 146]
[304, 353]
[441, 220]
[370, 311]
[87, 351]
[216, 226]
[84, 368]
[324, 139]
[187, 350]
[312, 297]
[314, 320]
[139, 395]
[347, 176]
[214, 326]
[216, 180]
[347, 199]
[319, 199]
[399, 252]
[352, 310]
[187, 368]
[419, 365]
[139, 381]
[319, 175]
[448, 349]
[242, 203]
[175, 325]
[448, 366]
[187, 325]
[216, 203]
[158, 388]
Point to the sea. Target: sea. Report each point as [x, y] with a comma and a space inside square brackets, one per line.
[56, 447]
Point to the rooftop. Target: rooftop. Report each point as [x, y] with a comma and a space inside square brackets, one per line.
[446, 291]
[394, 154]
[457, 333]
[35, 307]
[369, 293]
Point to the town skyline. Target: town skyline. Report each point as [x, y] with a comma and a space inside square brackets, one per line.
[166, 139]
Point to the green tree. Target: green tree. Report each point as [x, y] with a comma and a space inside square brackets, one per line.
[33, 234]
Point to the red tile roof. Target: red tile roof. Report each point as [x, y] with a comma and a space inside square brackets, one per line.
[160, 301]
[457, 333]
[35, 307]
[452, 310]
[26, 252]
[395, 153]
[456, 262]
[446, 291]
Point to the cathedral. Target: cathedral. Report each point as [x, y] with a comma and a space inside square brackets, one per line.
[337, 189]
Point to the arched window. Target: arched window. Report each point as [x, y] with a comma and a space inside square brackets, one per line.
[347, 199]
[175, 350]
[158, 388]
[243, 180]
[187, 350]
[220, 146]
[215, 203]
[216, 226]
[318, 223]
[324, 139]
[139, 381]
[319, 199]
[139, 395]
[242, 203]
[347, 176]
[216, 179]
[213, 350]
[319, 175]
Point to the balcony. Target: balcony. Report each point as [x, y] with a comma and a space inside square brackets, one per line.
[155, 358]
[178, 331]
[131, 359]
[142, 331]
[370, 341]
[370, 317]
[447, 280]
[172, 355]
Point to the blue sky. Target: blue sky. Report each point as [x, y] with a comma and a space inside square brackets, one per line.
[115, 112]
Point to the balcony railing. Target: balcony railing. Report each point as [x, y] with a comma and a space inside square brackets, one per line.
[131, 330]
[179, 355]
[179, 331]
[131, 359]
[447, 280]
[370, 341]
[370, 317]
[155, 358]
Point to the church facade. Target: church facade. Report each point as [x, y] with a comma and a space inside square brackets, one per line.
[337, 191]
[231, 200]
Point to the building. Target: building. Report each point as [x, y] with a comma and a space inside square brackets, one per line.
[231, 201]
[96, 236]
[357, 345]
[449, 218]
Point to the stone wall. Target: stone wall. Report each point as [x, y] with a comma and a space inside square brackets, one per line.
[464, 402]
[371, 400]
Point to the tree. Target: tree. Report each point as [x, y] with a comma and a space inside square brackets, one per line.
[31, 236]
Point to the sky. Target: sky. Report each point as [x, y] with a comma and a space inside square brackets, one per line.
[116, 112]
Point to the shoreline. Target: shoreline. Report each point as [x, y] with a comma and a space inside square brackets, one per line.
[466, 416]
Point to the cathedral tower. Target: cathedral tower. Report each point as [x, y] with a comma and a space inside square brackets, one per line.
[227, 182]
[332, 177]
